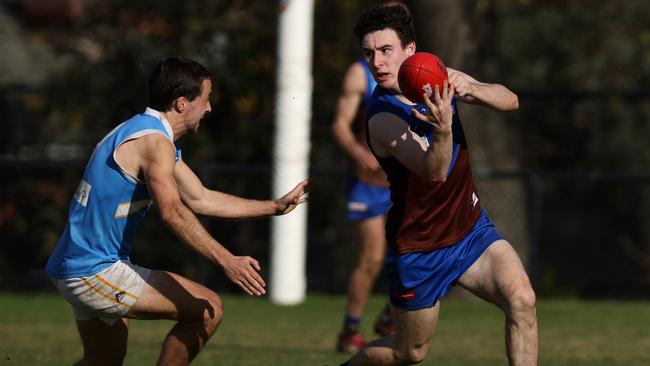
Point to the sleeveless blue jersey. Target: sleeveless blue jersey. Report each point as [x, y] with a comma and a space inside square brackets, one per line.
[107, 206]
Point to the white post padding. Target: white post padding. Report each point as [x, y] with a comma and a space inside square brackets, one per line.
[291, 147]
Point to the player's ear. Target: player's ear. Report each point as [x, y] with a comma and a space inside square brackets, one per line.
[410, 48]
[179, 104]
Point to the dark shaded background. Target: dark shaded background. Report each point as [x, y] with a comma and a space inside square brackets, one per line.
[566, 177]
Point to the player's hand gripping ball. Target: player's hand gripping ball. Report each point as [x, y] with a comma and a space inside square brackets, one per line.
[420, 74]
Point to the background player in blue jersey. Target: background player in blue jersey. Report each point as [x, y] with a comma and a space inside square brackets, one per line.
[368, 200]
[437, 233]
[135, 165]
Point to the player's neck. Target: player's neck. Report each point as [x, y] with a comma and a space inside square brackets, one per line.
[175, 121]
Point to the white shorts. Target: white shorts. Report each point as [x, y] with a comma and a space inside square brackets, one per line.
[107, 295]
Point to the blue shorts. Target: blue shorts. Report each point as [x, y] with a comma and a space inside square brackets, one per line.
[366, 201]
[419, 280]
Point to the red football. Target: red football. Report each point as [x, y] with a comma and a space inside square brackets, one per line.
[420, 74]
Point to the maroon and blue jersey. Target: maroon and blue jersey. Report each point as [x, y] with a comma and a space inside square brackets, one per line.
[426, 215]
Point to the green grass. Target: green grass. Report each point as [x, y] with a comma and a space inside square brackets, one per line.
[39, 330]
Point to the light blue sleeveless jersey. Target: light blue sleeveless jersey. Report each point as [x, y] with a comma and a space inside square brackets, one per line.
[107, 207]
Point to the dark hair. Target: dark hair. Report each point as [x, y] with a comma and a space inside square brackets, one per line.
[395, 17]
[173, 78]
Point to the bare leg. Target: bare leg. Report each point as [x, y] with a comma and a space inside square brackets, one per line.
[409, 345]
[499, 277]
[197, 309]
[372, 247]
[103, 344]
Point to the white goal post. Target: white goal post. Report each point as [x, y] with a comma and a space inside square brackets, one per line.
[291, 147]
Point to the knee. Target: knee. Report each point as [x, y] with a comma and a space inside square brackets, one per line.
[214, 312]
[522, 301]
[204, 309]
[371, 264]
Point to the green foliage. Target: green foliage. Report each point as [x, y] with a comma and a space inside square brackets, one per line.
[582, 80]
[594, 65]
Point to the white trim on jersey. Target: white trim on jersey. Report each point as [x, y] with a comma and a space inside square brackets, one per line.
[126, 208]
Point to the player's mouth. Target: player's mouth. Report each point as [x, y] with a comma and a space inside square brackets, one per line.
[382, 76]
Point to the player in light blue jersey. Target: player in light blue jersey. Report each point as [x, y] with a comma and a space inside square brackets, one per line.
[136, 165]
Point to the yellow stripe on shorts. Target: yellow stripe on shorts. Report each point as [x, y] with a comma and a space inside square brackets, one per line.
[107, 297]
[105, 282]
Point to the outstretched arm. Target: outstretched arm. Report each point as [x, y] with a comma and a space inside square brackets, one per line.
[156, 160]
[208, 202]
[470, 90]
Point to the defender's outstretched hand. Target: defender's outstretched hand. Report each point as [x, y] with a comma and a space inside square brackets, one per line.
[296, 196]
[243, 271]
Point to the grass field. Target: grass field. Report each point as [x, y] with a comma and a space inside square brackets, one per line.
[39, 330]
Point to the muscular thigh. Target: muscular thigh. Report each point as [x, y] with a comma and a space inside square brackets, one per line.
[496, 274]
[170, 296]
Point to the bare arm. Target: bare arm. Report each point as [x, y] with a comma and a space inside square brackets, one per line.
[390, 136]
[204, 201]
[156, 159]
[353, 89]
[470, 90]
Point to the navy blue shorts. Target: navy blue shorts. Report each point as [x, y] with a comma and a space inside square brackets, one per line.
[419, 280]
[366, 201]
